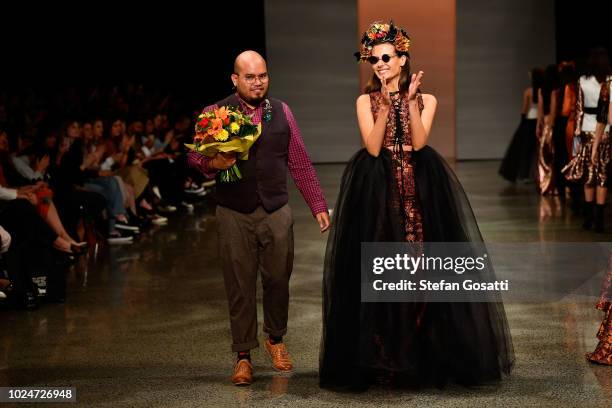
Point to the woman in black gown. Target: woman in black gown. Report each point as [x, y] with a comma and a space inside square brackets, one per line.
[397, 189]
[519, 162]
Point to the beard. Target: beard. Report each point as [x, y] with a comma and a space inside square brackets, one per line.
[254, 100]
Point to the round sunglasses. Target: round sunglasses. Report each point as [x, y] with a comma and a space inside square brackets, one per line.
[385, 58]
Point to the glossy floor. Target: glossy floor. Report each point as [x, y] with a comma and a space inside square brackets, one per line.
[147, 325]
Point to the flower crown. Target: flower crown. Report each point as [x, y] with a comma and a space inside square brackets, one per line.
[379, 33]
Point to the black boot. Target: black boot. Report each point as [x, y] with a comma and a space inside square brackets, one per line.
[588, 215]
[599, 217]
[576, 198]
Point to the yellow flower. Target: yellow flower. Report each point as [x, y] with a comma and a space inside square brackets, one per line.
[234, 128]
[222, 135]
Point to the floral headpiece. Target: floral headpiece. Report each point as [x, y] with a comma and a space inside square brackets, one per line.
[379, 33]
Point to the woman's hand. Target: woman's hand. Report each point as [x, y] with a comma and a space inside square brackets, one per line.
[594, 156]
[42, 163]
[127, 142]
[415, 84]
[384, 91]
[89, 160]
[27, 192]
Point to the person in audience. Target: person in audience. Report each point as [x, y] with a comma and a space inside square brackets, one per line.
[38, 194]
[74, 171]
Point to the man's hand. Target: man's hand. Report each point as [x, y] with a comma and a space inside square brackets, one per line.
[323, 220]
[223, 161]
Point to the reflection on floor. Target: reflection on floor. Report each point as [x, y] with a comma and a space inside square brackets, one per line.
[147, 325]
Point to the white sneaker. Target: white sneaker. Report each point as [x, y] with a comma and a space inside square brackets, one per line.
[159, 220]
[120, 240]
[189, 207]
[126, 227]
[167, 208]
[194, 189]
[116, 237]
[155, 190]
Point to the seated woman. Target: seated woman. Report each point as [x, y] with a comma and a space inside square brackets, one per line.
[122, 159]
[31, 162]
[164, 170]
[74, 172]
[38, 194]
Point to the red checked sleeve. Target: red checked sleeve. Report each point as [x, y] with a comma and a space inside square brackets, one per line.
[200, 162]
[301, 169]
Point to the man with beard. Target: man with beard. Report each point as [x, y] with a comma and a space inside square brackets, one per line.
[255, 223]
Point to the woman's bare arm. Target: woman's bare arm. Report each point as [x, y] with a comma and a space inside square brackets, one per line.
[372, 132]
[421, 122]
[526, 101]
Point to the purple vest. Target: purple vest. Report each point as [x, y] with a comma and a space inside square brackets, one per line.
[264, 174]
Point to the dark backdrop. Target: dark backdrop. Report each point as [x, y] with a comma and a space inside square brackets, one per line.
[581, 26]
[188, 49]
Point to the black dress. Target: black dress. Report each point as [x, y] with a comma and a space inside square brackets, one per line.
[405, 344]
[519, 161]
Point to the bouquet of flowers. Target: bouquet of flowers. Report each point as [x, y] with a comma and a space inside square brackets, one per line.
[225, 130]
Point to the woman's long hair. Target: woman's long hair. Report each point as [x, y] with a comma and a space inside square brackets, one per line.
[374, 83]
[598, 64]
[537, 81]
[567, 76]
[551, 83]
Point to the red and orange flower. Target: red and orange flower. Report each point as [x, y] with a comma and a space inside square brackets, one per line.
[225, 130]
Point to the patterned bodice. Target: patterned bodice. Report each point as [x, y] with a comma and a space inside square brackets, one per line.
[375, 102]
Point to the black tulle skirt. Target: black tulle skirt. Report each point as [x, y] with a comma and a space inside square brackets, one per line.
[520, 158]
[403, 344]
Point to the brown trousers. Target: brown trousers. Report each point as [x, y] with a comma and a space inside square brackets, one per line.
[248, 243]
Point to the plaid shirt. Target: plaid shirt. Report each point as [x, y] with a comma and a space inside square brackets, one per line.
[300, 166]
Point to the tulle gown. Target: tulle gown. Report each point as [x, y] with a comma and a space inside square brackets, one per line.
[519, 160]
[403, 196]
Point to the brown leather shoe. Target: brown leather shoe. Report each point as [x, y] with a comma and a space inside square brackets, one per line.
[243, 372]
[279, 355]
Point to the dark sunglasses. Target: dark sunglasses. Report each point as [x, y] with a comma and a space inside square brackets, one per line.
[385, 57]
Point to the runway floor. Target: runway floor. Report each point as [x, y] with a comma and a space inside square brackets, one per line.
[147, 325]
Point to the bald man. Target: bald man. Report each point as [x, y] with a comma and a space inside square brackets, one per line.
[255, 223]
